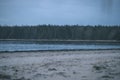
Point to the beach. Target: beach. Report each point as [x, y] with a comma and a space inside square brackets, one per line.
[60, 65]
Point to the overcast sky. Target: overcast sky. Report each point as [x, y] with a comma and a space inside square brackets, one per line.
[82, 12]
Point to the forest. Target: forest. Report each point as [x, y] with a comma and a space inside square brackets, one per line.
[61, 32]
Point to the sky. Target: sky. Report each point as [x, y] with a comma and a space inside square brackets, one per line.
[60, 12]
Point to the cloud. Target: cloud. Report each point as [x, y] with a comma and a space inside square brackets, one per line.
[56, 12]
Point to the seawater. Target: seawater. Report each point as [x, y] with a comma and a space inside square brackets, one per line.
[33, 46]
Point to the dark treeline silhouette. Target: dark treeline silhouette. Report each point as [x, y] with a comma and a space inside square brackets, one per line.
[66, 32]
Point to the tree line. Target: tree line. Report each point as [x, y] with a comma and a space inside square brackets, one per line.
[63, 32]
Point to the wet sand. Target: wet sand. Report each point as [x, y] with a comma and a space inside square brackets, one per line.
[60, 65]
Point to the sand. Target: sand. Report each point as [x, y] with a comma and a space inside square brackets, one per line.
[61, 65]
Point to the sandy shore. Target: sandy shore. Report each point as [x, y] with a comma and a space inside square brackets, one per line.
[61, 65]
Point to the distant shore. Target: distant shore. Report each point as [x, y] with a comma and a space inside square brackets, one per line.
[59, 40]
[64, 41]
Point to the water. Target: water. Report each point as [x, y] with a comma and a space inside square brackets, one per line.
[35, 46]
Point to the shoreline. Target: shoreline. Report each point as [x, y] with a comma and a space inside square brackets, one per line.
[67, 50]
